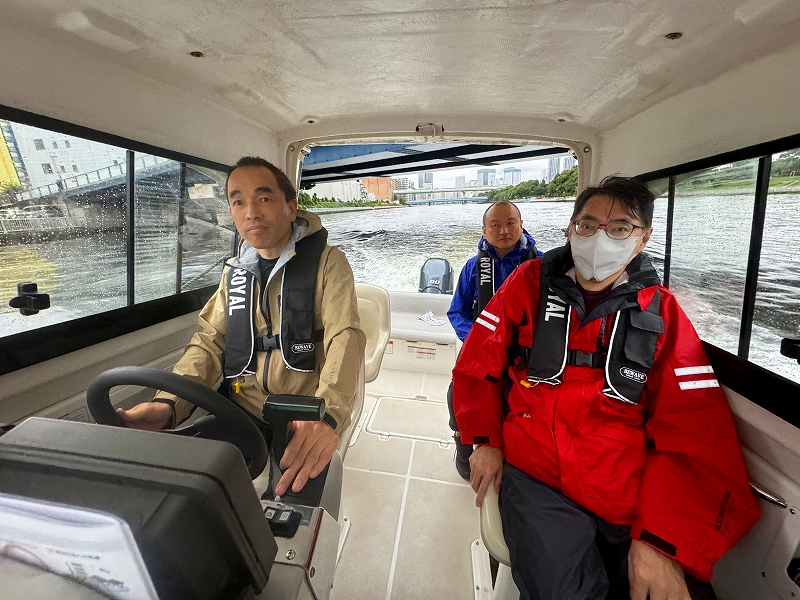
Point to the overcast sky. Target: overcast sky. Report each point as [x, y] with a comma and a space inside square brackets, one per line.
[531, 169]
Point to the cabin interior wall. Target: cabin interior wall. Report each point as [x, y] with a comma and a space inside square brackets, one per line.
[85, 86]
[755, 103]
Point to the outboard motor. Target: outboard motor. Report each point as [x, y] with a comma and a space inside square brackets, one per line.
[436, 277]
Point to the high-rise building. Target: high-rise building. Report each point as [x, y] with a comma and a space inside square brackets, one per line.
[403, 183]
[512, 176]
[486, 176]
[12, 167]
[569, 162]
[382, 187]
[461, 181]
[425, 181]
[553, 168]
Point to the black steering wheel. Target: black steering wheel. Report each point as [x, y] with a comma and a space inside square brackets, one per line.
[229, 423]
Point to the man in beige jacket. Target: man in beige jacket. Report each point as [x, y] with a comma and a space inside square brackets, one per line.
[238, 336]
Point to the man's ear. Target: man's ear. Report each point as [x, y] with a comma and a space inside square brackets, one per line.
[645, 239]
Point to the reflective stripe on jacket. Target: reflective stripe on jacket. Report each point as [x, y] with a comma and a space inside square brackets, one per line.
[670, 467]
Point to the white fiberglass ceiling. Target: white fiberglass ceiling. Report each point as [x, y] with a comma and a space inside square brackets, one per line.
[279, 65]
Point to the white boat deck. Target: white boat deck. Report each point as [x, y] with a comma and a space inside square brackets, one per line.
[414, 518]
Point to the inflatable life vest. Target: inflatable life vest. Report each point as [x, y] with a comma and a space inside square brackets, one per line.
[626, 361]
[485, 267]
[297, 339]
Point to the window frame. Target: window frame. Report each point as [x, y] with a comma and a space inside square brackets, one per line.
[28, 348]
[766, 388]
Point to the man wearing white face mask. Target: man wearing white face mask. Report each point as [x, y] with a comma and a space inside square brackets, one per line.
[599, 421]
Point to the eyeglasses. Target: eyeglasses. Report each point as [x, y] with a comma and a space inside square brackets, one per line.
[616, 230]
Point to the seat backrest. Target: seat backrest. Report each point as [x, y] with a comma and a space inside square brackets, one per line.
[492, 527]
[376, 321]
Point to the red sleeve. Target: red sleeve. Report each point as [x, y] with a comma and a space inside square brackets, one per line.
[477, 377]
[694, 502]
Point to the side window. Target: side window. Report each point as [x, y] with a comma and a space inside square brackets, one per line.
[710, 245]
[182, 228]
[64, 233]
[65, 227]
[777, 308]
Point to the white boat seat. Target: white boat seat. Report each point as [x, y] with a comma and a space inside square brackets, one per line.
[492, 527]
[376, 321]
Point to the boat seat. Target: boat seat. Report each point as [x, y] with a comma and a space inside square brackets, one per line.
[492, 528]
[376, 321]
[495, 544]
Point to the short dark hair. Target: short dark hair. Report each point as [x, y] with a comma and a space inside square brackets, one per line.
[498, 203]
[284, 184]
[634, 197]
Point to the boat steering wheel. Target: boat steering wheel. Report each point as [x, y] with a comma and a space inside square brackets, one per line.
[239, 428]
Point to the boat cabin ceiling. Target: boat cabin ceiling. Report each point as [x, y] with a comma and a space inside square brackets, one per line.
[645, 84]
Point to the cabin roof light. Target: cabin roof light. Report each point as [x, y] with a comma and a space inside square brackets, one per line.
[196, 54]
[675, 35]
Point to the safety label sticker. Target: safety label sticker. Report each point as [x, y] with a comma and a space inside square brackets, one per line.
[423, 353]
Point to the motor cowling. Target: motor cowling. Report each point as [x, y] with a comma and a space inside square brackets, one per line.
[436, 277]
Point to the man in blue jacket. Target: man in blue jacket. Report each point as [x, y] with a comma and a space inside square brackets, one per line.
[504, 246]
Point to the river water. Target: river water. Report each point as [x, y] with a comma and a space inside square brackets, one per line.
[387, 247]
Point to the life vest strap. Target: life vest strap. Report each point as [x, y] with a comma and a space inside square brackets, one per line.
[268, 343]
[595, 360]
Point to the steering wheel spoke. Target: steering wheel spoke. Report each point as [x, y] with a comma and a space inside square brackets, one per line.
[226, 422]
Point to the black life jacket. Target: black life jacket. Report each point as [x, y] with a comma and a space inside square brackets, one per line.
[485, 272]
[631, 351]
[298, 338]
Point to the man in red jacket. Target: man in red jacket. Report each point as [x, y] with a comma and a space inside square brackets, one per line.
[598, 419]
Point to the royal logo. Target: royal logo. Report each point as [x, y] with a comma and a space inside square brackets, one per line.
[301, 348]
[636, 376]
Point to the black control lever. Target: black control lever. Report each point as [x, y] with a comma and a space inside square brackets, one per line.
[279, 409]
[29, 300]
[790, 347]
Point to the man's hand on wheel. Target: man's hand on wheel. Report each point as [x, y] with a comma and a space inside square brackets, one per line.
[150, 416]
[654, 575]
[486, 468]
[307, 454]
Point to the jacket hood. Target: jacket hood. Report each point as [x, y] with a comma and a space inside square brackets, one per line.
[305, 224]
[525, 242]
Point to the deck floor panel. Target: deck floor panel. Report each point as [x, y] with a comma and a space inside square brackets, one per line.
[432, 461]
[375, 454]
[434, 558]
[372, 502]
[414, 419]
[394, 382]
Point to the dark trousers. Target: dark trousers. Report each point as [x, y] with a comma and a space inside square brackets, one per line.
[453, 424]
[561, 551]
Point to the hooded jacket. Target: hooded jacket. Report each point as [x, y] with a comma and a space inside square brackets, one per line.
[669, 466]
[338, 358]
[461, 313]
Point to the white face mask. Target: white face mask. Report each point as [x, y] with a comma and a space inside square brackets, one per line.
[598, 256]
